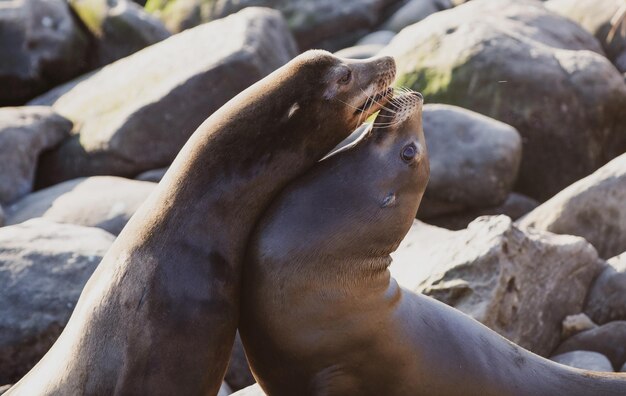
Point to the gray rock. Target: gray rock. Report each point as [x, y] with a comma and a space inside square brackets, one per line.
[515, 206]
[608, 339]
[4, 388]
[154, 175]
[24, 133]
[238, 375]
[382, 37]
[2, 217]
[43, 268]
[584, 360]
[105, 202]
[521, 284]
[360, 51]
[605, 19]
[474, 160]
[253, 390]
[623, 369]
[592, 208]
[225, 390]
[414, 11]
[606, 300]
[40, 46]
[120, 27]
[574, 324]
[530, 68]
[135, 114]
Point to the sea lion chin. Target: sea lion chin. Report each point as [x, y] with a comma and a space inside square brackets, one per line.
[321, 314]
[159, 314]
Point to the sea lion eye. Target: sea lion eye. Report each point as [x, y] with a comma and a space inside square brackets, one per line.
[409, 152]
[346, 77]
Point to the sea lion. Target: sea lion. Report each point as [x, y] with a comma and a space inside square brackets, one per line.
[321, 314]
[159, 314]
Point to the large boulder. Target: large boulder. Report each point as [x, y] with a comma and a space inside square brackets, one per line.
[326, 24]
[605, 19]
[119, 27]
[40, 46]
[105, 202]
[414, 11]
[520, 284]
[43, 268]
[135, 114]
[584, 360]
[474, 160]
[515, 61]
[609, 340]
[24, 133]
[593, 208]
[2, 217]
[606, 300]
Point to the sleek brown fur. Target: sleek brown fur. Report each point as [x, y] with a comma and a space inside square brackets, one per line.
[159, 314]
[321, 314]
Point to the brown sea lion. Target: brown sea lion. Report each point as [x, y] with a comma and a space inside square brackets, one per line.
[159, 314]
[321, 314]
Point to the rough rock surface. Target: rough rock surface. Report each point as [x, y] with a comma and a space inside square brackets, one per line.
[414, 11]
[474, 160]
[360, 51]
[153, 175]
[521, 284]
[105, 202]
[574, 324]
[496, 57]
[24, 133]
[606, 300]
[382, 37]
[40, 46]
[608, 339]
[592, 208]
[43, 268]
[2, 217]
[584, 360]
[119, 28]
[135, 114]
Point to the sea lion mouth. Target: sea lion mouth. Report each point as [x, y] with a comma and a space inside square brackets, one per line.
[399, 108]
[375, 103]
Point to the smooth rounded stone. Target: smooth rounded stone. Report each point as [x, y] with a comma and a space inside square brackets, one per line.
[554, 85]
[606, 300]
[2, 217]
[602, 18]
[135, 114]
[608, 339]
[503, 276]
[360, 51]
[515, 206]
[40, 46]
[574, 324]
[592, 208]
[119, 27]
[474, 160]
[623, 369]
[105, 202]
[43, 268]
[238, 374]
[414, 11]
[320, 24]
[154, 175]
[24, 133]
[382, 37]
[252, 390]
[584, 360]
[225, 390]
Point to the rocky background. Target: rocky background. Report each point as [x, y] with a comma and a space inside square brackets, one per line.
[524, 218]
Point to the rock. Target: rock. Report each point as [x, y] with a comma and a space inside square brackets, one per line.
[381, 37]
[324, 24]
[532, 69]
[608, 339]
[574, 324]
[40, 46]
[360, 51]
[238, 375]
[521, 284]
[105, 202]
[605, 19]
[135, 114]
[224, 390]
[606, 300]
[414, 11]
[43, 268]
[623, 369]
[154, 175]
[4, 388]
[474, 160]
[2, 217]
[584, 360]
[592, 208]
[253, 390]
[24, 133]
[515, 206]
[119, 27]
